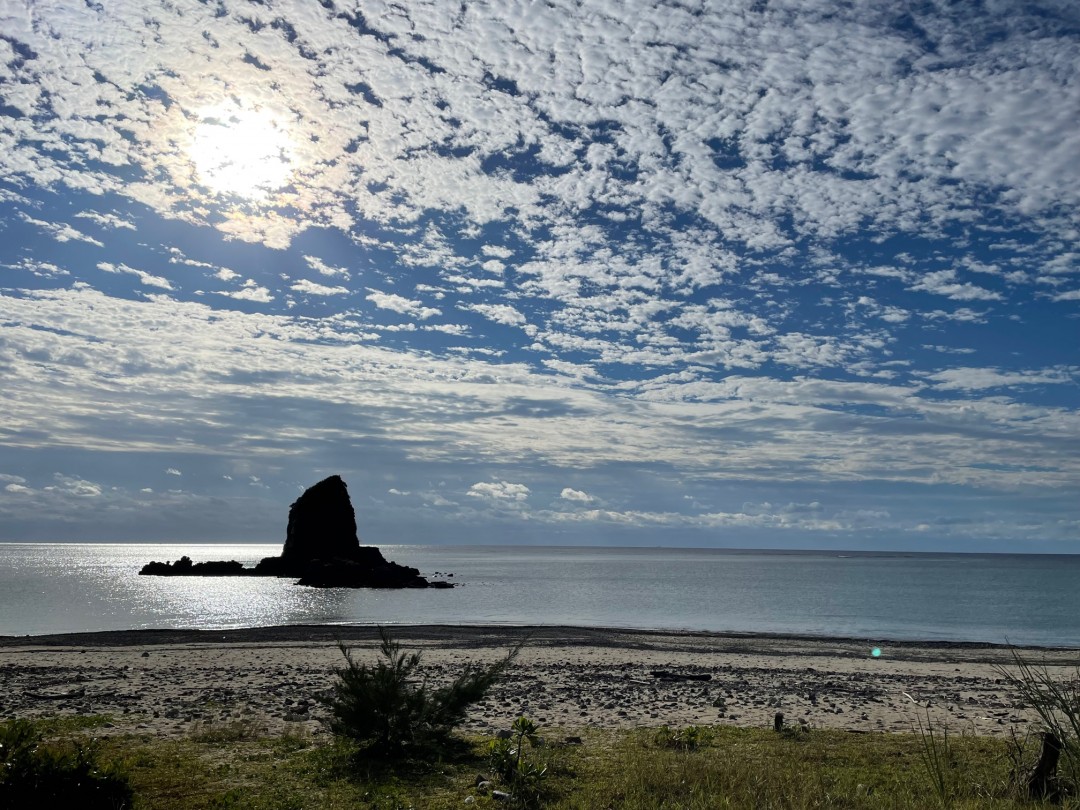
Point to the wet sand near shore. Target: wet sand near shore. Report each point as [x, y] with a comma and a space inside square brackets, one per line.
[175, 682]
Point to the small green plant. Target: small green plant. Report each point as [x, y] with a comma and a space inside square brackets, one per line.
[520, 773]
[683, 739]
[936, 756]
[798, 731]
[391, 716]
[35, 773]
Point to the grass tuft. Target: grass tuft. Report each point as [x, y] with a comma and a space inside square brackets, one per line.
[1056, 700]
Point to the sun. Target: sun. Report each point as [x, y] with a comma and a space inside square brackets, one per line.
[241, 153]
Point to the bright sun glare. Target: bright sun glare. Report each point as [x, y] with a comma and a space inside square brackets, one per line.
[243, 153]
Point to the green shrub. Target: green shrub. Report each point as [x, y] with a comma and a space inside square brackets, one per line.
[389, 715]
[521, 774]
[35, 773]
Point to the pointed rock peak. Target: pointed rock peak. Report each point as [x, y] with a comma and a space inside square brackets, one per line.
[322, 524]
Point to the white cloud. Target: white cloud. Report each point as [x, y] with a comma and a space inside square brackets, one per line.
[400, 304]
[176, 256]
[575, 495]
[73, 486]
[147, 279]
[499, 491]
[107, 220]
[311, 288]
[457, 329]
[499, 313]
[250, 291]
[317, 264]
[173, 471]
[943, 282]
[977, 379]
[962, 315]
[38, 268]
[62, 232]
[436, 499]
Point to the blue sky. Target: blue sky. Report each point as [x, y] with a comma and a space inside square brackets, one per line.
[781, 274]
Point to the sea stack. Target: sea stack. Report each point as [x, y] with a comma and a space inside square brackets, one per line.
[321, 549]
[322, 526]
[321, 546]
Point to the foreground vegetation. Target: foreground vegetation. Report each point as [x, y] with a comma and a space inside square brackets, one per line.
[390, 713]
[236, 766]
[393, 747]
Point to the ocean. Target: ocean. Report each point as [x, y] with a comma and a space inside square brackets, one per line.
[1018, 599]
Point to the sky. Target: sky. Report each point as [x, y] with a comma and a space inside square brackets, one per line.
[784, 274]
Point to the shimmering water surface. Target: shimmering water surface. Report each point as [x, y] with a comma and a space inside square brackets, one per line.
[1022, 599]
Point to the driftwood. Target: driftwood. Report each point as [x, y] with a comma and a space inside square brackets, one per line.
[665, 675]
[1042, 783]
[56, 696]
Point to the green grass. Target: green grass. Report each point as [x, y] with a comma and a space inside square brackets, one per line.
[762, 769]
[238, 766]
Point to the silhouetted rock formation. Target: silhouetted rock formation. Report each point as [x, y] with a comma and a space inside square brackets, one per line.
[352, 574]
[322, 528]
[184, 567]
[321, 549]
[322, 525]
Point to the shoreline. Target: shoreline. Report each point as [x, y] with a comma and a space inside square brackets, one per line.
[563, 632]
[175, 682]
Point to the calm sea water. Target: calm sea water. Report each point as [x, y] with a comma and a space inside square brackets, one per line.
[1022, 599]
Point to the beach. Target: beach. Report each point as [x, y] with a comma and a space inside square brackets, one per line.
[173, 683]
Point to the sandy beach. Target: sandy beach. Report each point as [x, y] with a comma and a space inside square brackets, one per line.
[173, 683]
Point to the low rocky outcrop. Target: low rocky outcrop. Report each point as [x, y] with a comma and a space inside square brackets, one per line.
[321, 550]
[184, 567]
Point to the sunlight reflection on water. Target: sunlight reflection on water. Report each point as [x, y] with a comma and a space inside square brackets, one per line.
[61, 588]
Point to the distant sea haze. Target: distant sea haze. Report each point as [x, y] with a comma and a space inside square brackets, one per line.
[1019, 599]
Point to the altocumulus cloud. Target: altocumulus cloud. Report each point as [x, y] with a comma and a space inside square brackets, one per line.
[575, 495]
[434, 245]
[398, 303]
[314, 288]
[499, 491]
